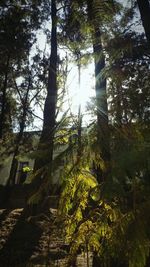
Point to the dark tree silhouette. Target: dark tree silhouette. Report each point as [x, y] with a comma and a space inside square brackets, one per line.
[144, 7]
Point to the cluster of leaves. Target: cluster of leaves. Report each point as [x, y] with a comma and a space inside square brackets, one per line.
[111, 218]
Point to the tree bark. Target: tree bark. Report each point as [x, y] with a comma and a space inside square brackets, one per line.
[144, 8]
[101, 96]
[101, 101]
[46, 142]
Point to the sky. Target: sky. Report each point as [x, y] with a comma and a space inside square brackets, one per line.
[76, 94]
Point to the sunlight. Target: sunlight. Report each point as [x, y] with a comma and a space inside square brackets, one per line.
[80, 94]
[77, 95]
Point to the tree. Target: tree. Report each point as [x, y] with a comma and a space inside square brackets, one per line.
[27, 93]
[144, 8]
[15, 44]
[100, 87]
[18, 24]
[46, 142]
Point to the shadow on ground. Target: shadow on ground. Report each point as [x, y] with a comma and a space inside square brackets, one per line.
[20, 243]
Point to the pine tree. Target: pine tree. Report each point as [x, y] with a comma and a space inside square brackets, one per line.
[15, 43]
[46, 142]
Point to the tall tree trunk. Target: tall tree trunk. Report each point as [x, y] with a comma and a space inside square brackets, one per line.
[101, 94]
[46, 142]
[101, 103]
[3, 108]
[144, 7]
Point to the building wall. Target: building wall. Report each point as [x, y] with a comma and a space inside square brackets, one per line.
[4, 171]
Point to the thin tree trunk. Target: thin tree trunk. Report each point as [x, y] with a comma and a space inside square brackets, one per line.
[46, 142]
[101, 101]
[144, 8]
[79, 150]
[3, 108]
[14, 164]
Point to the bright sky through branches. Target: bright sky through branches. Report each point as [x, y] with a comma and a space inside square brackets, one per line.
[76, 94]
[80, 94]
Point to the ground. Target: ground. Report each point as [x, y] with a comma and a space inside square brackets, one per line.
[27, 241]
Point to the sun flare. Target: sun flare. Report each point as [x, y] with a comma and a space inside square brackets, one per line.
[79, 93]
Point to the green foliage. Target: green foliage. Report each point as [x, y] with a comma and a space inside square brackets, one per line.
[112, 218]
